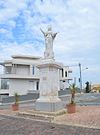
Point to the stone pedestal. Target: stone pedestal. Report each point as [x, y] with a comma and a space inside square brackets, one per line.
[49, 86]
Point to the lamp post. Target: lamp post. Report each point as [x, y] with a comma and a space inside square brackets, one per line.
[80, 78]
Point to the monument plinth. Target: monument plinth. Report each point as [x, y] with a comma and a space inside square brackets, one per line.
[49, 86]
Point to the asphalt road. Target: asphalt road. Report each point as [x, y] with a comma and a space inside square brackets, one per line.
[12, 125]
[83, 99]
[27, 104]
[80, 99]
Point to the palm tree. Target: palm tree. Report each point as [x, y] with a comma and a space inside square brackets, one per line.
[73, 91]
[16, 98]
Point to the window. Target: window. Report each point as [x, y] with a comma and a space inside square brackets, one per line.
[33, 70]
[69, 71]
[4, 83]
[8, 70]
[65, 73]
[37, 85]
[62, 72]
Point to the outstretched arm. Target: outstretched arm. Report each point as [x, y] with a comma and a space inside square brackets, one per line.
[54, 35]
[42, 31]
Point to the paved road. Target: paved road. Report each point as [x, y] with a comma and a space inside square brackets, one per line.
[28, 105]
[21, 126]
[81, 99]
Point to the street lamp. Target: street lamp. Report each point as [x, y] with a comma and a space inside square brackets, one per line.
[80, 78]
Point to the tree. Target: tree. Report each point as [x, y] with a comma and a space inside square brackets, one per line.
[87, 87]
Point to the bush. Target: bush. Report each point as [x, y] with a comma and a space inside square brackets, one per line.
[16, 98]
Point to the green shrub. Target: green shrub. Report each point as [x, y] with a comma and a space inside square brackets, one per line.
[16, 98]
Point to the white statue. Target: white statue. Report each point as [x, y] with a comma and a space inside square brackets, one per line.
[49, 38]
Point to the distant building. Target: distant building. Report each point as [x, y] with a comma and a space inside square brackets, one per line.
[95, 87]
[22, 75]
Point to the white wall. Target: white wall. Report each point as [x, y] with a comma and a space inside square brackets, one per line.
[64, 85]
[32, 85]
[19, 86]
[23, 70]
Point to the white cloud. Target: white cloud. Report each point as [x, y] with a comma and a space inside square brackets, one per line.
[11, 9]
[13, 48]
[3, 31]
[6, 33]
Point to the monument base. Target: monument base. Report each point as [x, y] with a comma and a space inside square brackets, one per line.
[48, 106]
[42, 115]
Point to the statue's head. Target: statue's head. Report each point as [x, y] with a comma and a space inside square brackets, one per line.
[49, 28]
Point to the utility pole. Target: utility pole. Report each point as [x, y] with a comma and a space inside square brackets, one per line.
[80, 78]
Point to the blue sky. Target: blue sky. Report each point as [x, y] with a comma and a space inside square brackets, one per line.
[78, 24]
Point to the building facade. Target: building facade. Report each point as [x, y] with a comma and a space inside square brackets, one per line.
[21, 75]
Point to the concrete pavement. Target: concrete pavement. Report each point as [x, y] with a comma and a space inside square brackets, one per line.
[86, 121]
[85, 116]
[10, 125]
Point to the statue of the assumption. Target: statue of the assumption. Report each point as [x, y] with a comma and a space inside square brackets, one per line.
[49, 38]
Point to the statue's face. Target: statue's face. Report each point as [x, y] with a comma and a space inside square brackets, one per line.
[49, 28]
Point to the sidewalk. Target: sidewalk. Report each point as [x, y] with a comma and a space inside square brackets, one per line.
[85, 116]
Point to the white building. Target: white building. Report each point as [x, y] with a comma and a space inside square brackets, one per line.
[22, 75]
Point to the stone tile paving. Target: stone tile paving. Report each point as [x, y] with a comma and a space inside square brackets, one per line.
[86, 116]
[20, 126]
[71, 124]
